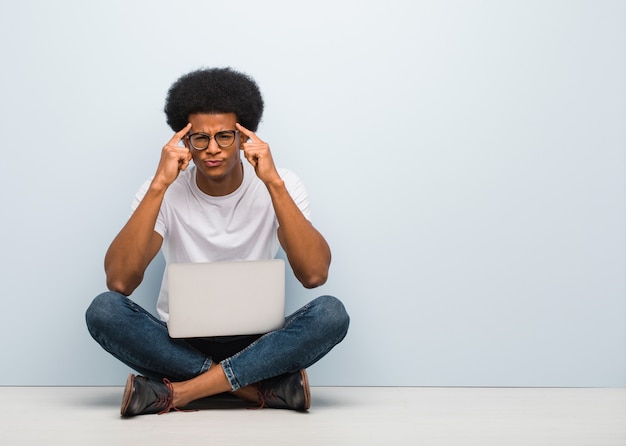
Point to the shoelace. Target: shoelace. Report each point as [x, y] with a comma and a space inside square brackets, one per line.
[165, 401]
[263, 397]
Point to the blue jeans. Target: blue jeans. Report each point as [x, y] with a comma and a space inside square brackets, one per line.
[142, 342]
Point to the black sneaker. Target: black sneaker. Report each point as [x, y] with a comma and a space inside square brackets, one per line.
[143, 396]
[289, 391]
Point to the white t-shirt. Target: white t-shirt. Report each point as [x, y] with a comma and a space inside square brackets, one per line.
[197, 227]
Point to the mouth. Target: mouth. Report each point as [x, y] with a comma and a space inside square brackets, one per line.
[212, 162]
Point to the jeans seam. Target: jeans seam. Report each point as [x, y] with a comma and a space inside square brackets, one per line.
[230, 375]
[227, 364]
[131, 356]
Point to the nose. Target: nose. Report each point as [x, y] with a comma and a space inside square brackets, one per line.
[213, 148]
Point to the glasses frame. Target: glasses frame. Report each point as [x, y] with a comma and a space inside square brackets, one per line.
[235, 134]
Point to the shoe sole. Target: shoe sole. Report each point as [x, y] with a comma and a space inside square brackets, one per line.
[307, 390]
[128, 393]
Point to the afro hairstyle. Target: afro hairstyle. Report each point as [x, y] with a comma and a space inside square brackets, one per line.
[214, 90]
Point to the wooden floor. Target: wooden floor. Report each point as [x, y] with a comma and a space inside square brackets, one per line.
[338, 416]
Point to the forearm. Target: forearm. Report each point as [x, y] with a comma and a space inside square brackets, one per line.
[307, 251]
[135, 246]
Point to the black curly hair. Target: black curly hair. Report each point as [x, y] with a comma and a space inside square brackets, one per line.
[214, 90]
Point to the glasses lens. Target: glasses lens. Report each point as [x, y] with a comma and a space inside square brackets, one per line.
[199, 142]
[225, 138]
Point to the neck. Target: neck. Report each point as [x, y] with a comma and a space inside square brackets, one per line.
[220, 186]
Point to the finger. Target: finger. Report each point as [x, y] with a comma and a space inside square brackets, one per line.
[184, 158]
[185, 162]
[178, 136]
[252, 159]
[249, 133]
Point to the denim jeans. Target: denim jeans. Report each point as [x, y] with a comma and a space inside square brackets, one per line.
[142, 342]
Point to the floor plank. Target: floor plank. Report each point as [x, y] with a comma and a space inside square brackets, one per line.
[339, 416]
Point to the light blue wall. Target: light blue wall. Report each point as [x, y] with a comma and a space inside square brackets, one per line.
[465, 160]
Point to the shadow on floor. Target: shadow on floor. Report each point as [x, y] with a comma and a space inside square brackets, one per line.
[221, 401]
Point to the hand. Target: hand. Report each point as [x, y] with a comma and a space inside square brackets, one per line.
[174, 158]
[258, 154]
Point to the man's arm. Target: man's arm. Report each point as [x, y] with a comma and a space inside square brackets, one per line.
[135, 246]
[307, 250]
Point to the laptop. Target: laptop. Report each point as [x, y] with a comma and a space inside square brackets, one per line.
[226, 298]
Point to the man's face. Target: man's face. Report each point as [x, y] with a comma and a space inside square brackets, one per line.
[219, 170]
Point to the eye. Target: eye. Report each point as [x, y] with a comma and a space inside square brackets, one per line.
[199, 141]
[224, 137]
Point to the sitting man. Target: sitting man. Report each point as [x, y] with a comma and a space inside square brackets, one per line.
[219, 208]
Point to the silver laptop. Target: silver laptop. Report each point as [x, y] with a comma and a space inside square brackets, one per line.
[226, 298]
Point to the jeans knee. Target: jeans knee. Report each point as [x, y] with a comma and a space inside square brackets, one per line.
[101, 311]
[335, 315]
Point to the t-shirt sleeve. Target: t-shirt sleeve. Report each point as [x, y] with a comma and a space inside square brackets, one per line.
[160, 225]
[298, 192]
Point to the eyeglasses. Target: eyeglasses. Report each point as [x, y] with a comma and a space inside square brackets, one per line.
[224, 139]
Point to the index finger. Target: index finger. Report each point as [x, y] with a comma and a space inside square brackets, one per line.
[180, 134]
[249, 133]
